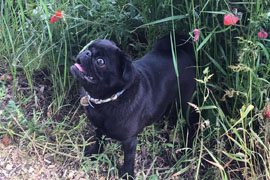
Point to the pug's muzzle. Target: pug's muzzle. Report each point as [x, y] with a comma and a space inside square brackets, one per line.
[80, 70]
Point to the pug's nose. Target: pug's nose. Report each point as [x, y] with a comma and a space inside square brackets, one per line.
[83, 55]
[87, 53]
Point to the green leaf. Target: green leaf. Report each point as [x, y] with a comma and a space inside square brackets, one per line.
[208, 107]
[216, 64]
[266, 53]
[171, 18]
[205, 40]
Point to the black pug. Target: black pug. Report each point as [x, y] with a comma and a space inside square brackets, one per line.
[121, 97]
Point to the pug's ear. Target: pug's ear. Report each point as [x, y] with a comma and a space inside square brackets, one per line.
[126, 66]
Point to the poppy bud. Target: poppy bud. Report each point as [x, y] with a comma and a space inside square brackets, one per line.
[262, 34]
[196, 35]
[266, 110]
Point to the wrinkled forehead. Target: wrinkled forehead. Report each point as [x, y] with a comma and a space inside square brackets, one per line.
[103, 48]
[103, 44]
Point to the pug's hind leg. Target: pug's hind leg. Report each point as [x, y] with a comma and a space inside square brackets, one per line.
[129, 147]
[97, 147]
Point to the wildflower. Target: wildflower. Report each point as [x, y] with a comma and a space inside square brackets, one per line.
[266, 110]
[0, 28]
[262, 34]
[266, 114]
[230, 19]
[56, 17]
[196, 35]
[58, 13]
[5, 77]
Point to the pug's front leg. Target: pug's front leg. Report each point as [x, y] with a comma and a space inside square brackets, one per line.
[129, 147]
[97, 147]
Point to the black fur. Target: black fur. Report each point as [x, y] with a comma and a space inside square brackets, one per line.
[150, 86]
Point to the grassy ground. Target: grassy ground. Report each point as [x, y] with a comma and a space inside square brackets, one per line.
[39, 105]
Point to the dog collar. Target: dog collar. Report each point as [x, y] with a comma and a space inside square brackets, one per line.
[88, 100]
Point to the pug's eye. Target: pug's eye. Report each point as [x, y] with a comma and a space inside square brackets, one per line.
[100, 62]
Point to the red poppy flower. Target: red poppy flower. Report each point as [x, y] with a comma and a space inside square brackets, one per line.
[58, 13]
[230, 19]
[267, 114]
[0, 28]
[262, 34]
[196, 35]
[56, 17]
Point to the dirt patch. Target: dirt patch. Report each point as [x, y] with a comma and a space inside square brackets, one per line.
[19, 164]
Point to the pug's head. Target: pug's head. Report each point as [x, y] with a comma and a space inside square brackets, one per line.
[103, 69]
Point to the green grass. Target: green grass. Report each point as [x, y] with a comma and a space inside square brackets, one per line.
[233, 82]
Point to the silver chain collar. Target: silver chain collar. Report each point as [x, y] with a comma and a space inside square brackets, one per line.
[88, 100]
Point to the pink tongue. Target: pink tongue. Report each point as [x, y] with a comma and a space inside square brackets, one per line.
[79, 67]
